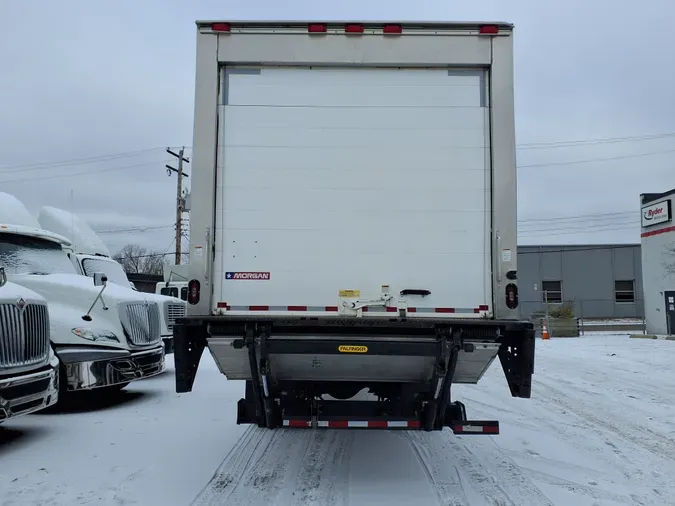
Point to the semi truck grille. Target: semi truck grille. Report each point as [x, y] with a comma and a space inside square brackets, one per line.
[141, 322]
[24, 334]
[173, 312]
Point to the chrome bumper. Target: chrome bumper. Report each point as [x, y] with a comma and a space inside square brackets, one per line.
[86, 369]
[29, 392]
[168, 344]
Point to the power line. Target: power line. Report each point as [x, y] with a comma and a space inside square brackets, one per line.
[133, 229]
[601, 140]
[73, 161]
[88, 173]
[580, 216]
[591, 160]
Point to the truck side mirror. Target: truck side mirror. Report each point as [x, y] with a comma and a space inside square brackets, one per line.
[3, 277]
[100, 279]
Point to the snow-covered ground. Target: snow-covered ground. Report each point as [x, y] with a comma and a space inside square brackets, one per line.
[599, 430]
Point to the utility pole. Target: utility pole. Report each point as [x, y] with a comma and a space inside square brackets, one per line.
[179, 197]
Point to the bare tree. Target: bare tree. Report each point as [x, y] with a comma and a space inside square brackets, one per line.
[669, 264]
[138, 260]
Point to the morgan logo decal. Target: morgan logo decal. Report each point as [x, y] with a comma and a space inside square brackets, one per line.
[248, 275]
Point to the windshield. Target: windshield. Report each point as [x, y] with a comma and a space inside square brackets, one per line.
[172, 291]
[113, 271]
[20, 254]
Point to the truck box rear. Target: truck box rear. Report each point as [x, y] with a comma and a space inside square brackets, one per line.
[347, 173]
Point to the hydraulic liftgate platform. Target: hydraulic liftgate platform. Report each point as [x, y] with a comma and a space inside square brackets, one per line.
[325, 336]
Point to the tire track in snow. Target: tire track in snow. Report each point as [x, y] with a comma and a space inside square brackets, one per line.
[444, 491]
[484, 474]
[282, 466]
[324, 476]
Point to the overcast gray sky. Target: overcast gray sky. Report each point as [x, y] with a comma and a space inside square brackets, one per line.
[92, 91]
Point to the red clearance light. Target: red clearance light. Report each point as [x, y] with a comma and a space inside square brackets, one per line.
[392, 29]
[488, 30]
[353, 28]
[220, 27]
[317, 28]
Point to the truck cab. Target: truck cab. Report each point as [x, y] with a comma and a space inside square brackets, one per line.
[28, 367]
[175, 282]
[90, 255]
[103, 334]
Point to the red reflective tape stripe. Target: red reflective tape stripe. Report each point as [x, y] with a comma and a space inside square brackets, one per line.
[332, 308]
[299, 423]
[297, 308]
[364, 309]
[484, 307]
[378, 424]
[222, 305]
[412, 310]
[391, 309]
[414, 424]
[444, 310]
[658, 231]
[338, 424]
[258, 308]
[490, 429]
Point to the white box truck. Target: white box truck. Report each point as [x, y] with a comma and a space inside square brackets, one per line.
[28, 367]
[353, 221]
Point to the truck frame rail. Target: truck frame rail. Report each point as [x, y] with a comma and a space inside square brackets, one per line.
[426, 406]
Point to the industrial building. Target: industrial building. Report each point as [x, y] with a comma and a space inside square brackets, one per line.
[658, 261]
[600, 281]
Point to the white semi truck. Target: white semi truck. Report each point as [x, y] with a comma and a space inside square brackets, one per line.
[353, 221]
[89, 255]
[104, 335]
[28, 367]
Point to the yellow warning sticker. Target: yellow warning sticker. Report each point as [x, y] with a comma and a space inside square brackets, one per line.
[350, 348]
[350, 293]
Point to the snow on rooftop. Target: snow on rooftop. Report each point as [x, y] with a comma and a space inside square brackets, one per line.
[13, 212]
[84, 238]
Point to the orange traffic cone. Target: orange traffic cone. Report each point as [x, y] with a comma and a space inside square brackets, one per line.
[544, 332]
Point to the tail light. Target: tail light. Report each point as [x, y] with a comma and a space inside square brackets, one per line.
[511, 296]
[193, 292]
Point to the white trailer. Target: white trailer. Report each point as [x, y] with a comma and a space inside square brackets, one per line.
[353, 220]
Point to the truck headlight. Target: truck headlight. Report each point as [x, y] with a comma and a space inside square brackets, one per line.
[95, 334]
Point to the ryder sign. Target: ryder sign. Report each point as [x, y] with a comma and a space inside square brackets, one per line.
[658, 212]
